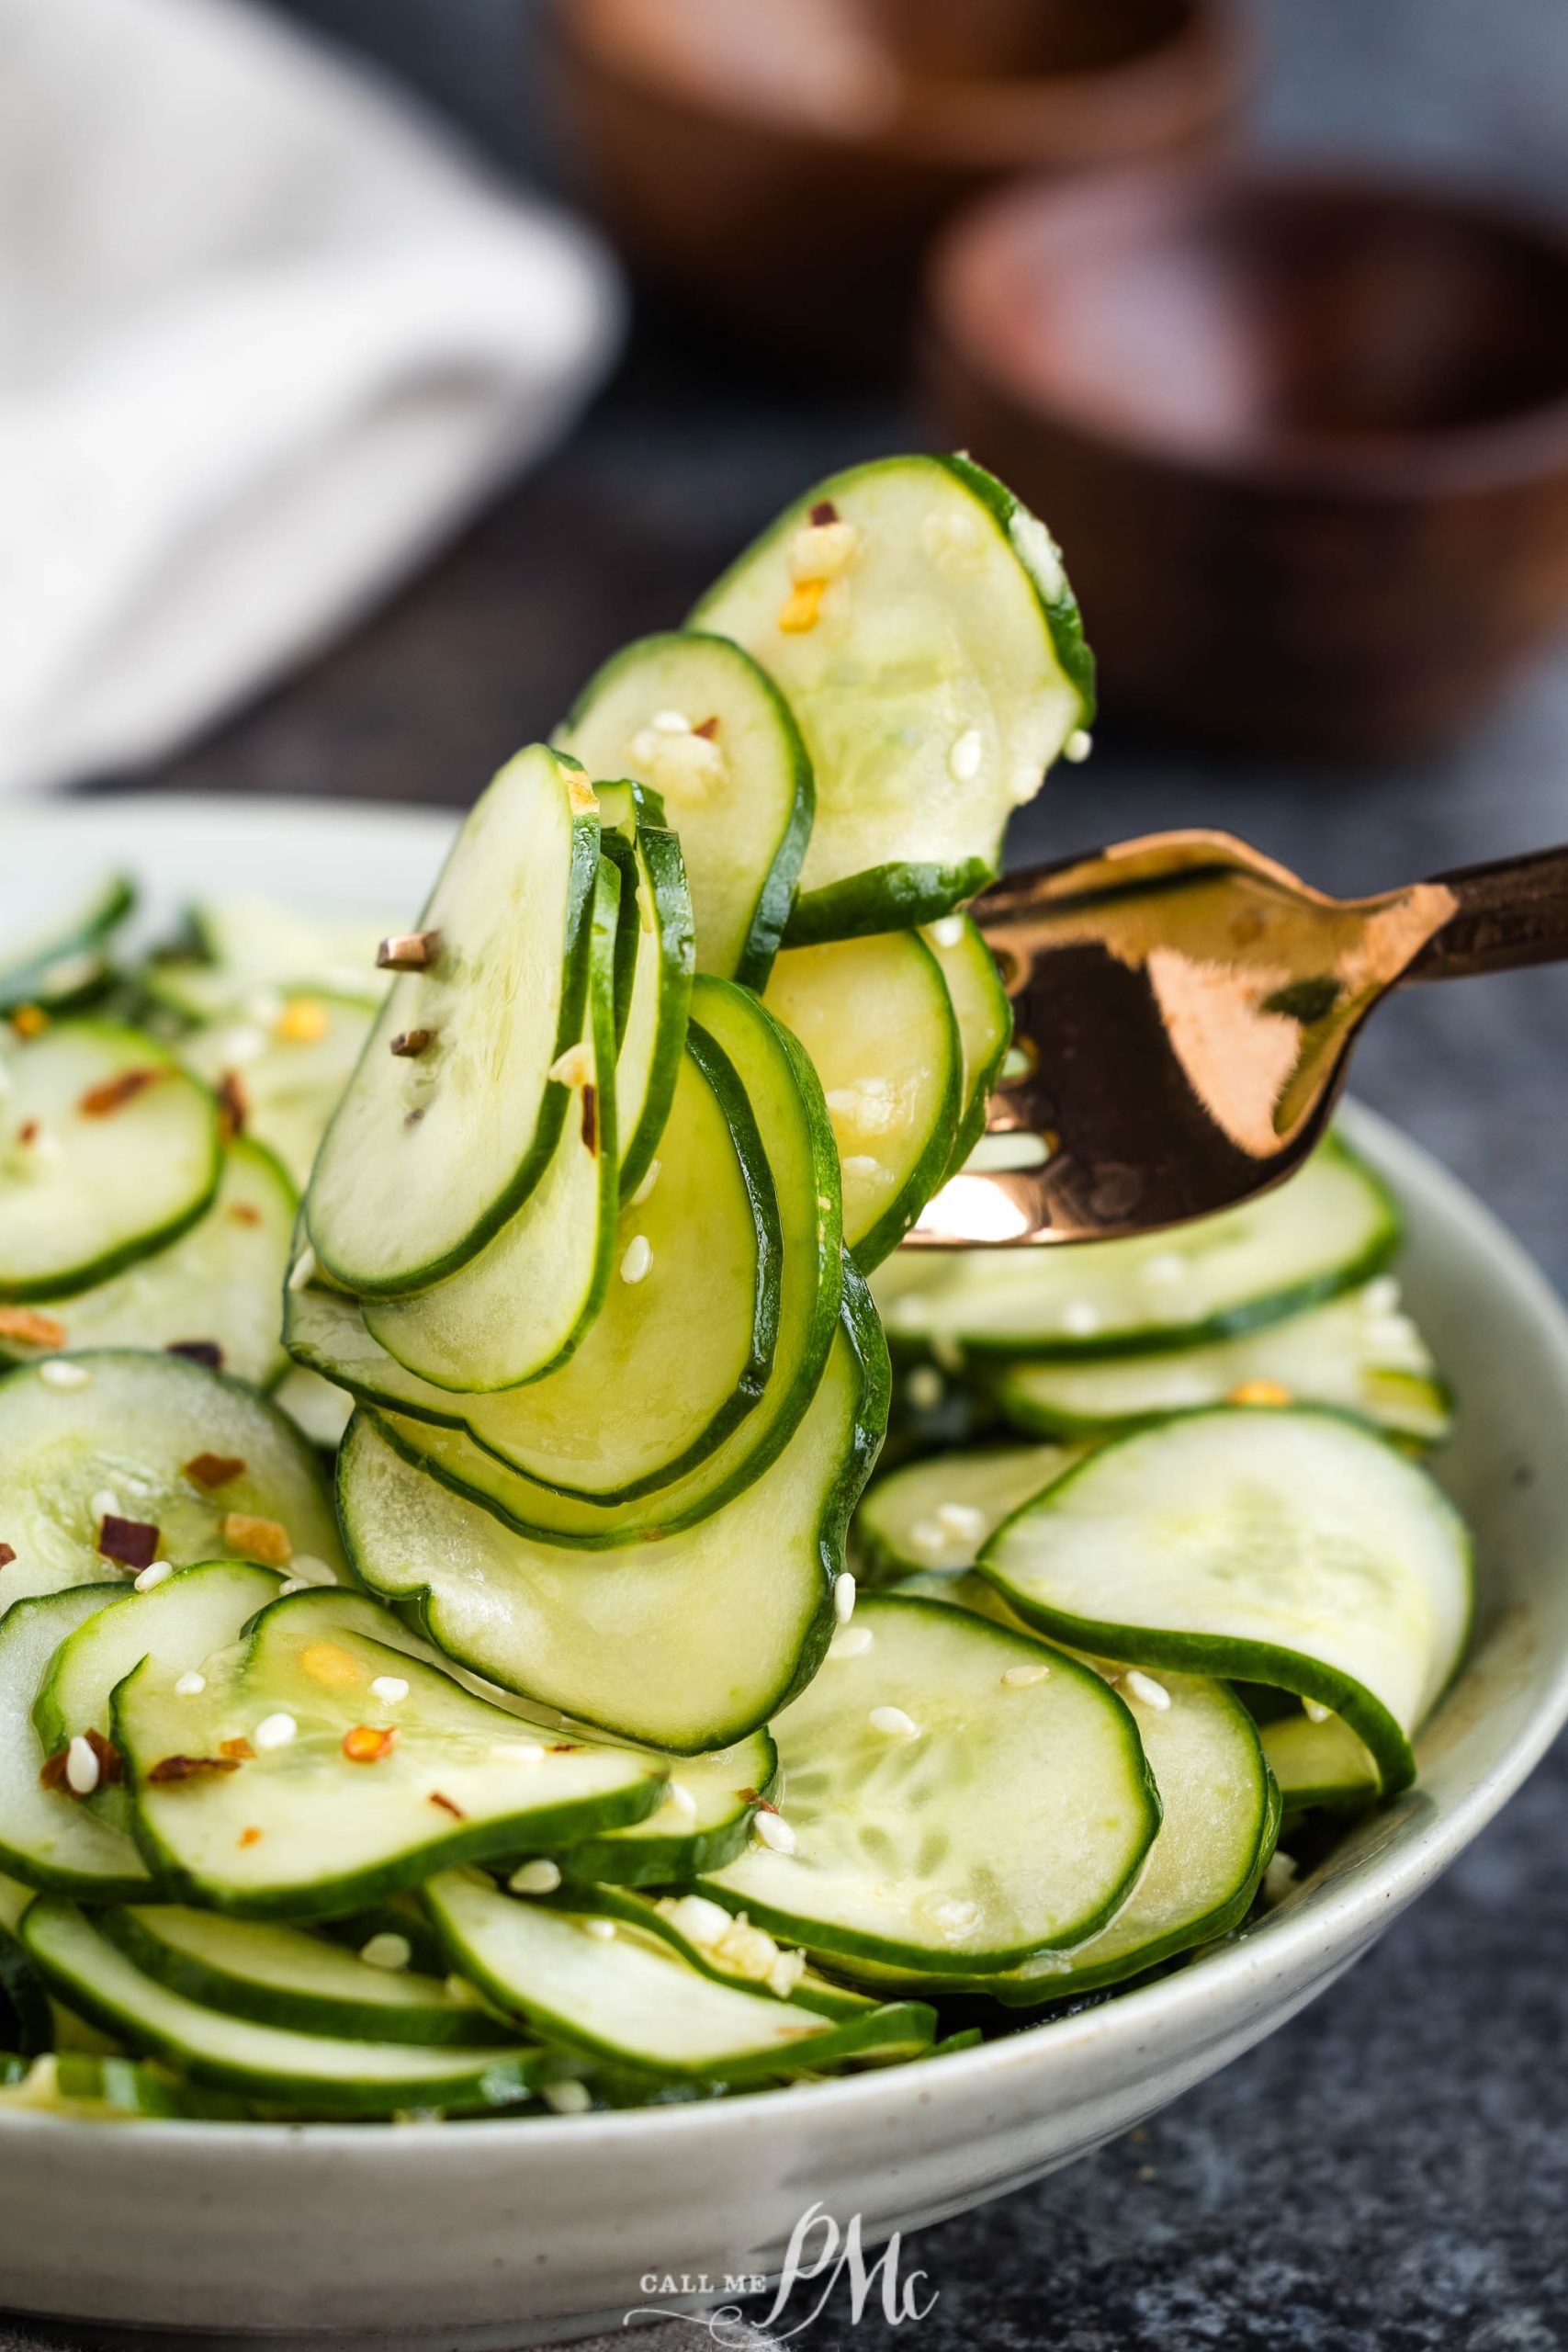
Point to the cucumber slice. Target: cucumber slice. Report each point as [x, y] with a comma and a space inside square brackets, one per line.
[318, 1410]
[107, 1150]
[935, 671]
[708, 1808]
[633, 1999]
[1291, 1547]
[936, 1513]
[876, 1017]
[428, 1156]
[70, 958]
[289, 1977]
[984, 1014]
[1318, 1763]
[1329, 1229]
[284, 1075]
[1359, 1353]
[48, 1839]
[732, 1950]
[786, 1102]
[675, 1359]
[1220, 1818]
[131, 1428]
[256, 941]
[1005, 1820]
[688, 1644]
[453, 1778]
[656, 922]
[216, 1288]
[739, 792]
[317, 2070]
[518, 1309]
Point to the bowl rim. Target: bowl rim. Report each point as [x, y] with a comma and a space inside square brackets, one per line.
[1305, 1946]
[1497, 454]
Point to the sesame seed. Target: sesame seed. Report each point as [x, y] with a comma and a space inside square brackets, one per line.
[638, 1260]
[1020, 1678]
[770, 1829]
[190, 1684]
[303, 1269]
[1165, 1266]
[679, 1796]
[644, 1190]
[1078, 745]
[275, 1731]
[861, 1167]
[387, 1951]
[964, 759]
[925, 1388]
[952, 1912]
[949, 931]
[700, 1920]
[56, 1373]
[106, 1504]
[844, 1597]
[292, 1584]
[960, 1520]
[155, 1573]
[80, 1767]
[1381, 1296]
[1279, 1878]
[245, 1044]
[1314, 1712]
[541, 1877]
[893, 1723]
[670, 722]
[602, 1930]
[390, 1687]
[1145, 1690]
[853, 1641]
[1080, 1317]
[928, 1537]
[513, 1751]
[266, 1006]
[567, 2099]
[574, 1068]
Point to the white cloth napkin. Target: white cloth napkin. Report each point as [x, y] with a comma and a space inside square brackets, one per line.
[265, 337]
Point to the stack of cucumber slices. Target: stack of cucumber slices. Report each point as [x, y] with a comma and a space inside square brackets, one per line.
[546, 1756]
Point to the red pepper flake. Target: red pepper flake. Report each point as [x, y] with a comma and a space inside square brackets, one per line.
[824, 512]
[749, 1796]
[446, 1806]
[34, 1330]
[590, 1118]
[238, 1751]
[102, 1101]
[407, 950]
[52, 1777]
[243, 1214]
[408, 1043]
[214, 1469]
[563, 1747]
[205, 1351]
[250, 1836]
[7, 1555]
[233, 1112]
[27, 1132]
[132, 1541]
[191, 1767]
[366, 1745]
[707, 730]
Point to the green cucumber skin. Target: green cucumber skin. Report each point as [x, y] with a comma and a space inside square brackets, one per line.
[673, 907]
[1227, 1660]
[668, 1861]
[27, 983]
[927, 1175]
[626, 1903]
[1063, 618]
[615, 846]
[113, 1261]
[582, 894]
[972, 1120]
[884, 897]
[23, 1993]
[214, 1988]
[1032, 1420]
[776, 895]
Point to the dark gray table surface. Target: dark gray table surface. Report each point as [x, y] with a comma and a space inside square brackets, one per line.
[1391, 2170]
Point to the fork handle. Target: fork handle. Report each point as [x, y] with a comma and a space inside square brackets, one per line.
[1511, 912]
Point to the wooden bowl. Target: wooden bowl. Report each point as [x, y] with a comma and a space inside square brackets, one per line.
[782, 163]
[1304, 436]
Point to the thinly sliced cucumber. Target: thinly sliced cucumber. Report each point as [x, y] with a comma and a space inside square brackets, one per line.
[103, 2087]
[317, 2070]
[215, 1289]
[1359, 1353]
[695, 719]
[289, 1977]
[632, 1998]
[786, 1102]
[107, 1151]
[928, 643]
[937, 1511]
[727, 1946]
[876, 1017]
[1220, 1818]
[678, 1355]
[1291, 1547]
[1329, 1229]
[256, 941]
[356, 1792]
[688, 1644]
[130, 1433]
[431, 1153]
[945, 1819]
[70, 958]
[1318, 1763]
[282, 1077]
[320, 1410]
[47, 1837]
[984, 1014]
[518, 1309]
[708, 1808]
[656, 919]
[26, 2016]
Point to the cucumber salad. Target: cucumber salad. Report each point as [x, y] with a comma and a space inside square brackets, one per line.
[516, 1595]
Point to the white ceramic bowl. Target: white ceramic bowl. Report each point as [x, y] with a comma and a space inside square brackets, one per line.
[491, 2235]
